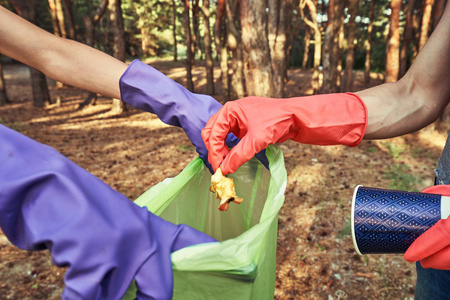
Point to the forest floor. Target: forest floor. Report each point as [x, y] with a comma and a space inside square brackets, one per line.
[315, 257]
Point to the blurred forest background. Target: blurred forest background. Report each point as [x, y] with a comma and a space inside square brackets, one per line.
[253, 42]
[230, 49]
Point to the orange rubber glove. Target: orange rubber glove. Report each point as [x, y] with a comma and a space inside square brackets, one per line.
[432, 248]
[332, 119]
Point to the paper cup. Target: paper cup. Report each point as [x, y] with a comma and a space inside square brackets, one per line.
[388, 221]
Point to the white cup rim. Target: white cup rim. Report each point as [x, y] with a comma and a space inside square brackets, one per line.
[355, 244]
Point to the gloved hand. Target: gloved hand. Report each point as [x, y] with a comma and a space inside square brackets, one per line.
[48, 202]
[147, 89]
[432, 248]
[319, 120]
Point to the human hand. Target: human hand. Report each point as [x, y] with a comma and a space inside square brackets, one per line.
[432, 248]
[48, 202]
[259, 122]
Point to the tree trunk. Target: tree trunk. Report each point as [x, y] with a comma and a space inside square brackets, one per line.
[234, 44]
[70, 21]
[407, 36]
[350, 55]
[307, 42]
[174, 30]
[3, 96]
[116, 17]
[331, 55]
[41, 96]
[257, 65]
[369, 44]
[393, 53]
[90, 21]
[196, 29]
[279, 28]
[426, 23]
[209, 65]
[221, 49]
[187, 30]
[312, 6]
[438, 10]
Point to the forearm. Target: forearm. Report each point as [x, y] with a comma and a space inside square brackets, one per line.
[64, 60]
[418, 98]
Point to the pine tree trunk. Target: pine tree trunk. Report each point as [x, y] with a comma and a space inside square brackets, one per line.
[41, 95]
[220, 42]
[209, 65]
[426, 23]
[393, 51]
[438, 10]
[196, 29]
[187, 30]
[279, 28]
[407, 36]
[90, 21]
[369, 44]
[257, 65]
[331, 54]
[312, 7]
[115, 7]
[174, 30]
[307, 43]
[70, 21]
[234, 44]
[3, 96]
[350, 55]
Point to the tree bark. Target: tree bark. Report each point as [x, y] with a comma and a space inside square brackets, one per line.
[331, 54]
[187, 30]
[307, 43]
[90, 21]
[221, 48]
[350, 55]
[438, 10]
[368, 44]
[196, 30]
[257, 65]
[426, 23]
[279, 27]
[174, 30]
[393, 51]
[312, 7]
[41, 96]
[209, 65]
[3, 96]
[234, 44]
[69, 16]
[118, 106]
[407, 36]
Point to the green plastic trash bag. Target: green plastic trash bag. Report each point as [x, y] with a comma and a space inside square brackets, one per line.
[243, 264]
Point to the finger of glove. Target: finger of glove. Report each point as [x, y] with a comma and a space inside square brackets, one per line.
[217, 149]
[430, 242]
[241, 153]
[440, 260]
[187, 236]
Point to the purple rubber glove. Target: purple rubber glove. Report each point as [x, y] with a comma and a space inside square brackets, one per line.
[147, 89]
[48, 202]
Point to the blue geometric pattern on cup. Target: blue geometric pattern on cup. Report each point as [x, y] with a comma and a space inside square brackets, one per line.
[387, 221]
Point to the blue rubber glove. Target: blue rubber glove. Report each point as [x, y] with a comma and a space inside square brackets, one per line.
[147, 89]
[48, 202]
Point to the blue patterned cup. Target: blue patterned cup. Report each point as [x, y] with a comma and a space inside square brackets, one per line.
[388, 221]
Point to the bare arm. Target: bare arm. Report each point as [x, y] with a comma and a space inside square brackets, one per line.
[61, 59]
[419, 97]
